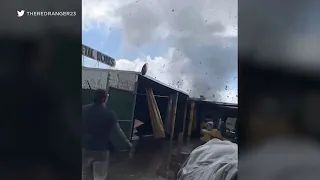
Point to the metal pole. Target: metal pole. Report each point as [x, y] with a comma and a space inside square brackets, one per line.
[140, 94]
[174, 114]
[181, 135]
[191, 121]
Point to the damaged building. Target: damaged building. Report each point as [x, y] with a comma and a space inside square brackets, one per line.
[133, 97]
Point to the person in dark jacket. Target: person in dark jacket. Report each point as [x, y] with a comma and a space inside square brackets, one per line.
[98, 124]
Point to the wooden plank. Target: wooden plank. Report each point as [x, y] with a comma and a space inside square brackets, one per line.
[156, 121]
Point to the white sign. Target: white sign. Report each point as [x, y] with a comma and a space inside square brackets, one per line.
[96, 55]
[103, 78]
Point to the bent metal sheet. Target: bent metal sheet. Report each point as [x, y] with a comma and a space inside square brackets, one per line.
[96, 55]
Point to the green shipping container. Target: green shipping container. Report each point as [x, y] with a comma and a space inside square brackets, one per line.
[121, 101]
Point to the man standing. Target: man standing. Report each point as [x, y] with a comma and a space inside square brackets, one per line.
[98, 123]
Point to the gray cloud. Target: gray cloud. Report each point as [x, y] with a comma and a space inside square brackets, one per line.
[195, 29]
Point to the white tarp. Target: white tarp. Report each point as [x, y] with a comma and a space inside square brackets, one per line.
[99, 79]
[215, 160]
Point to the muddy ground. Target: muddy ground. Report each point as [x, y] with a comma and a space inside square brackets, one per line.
[152, 160]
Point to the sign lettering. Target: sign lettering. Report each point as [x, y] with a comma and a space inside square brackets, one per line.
[96, 55]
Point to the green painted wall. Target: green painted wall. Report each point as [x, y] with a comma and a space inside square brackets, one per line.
[122, 103]
[87, 96]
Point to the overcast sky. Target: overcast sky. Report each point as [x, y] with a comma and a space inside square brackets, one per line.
[189, 44]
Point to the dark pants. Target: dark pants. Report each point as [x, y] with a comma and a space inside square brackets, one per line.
[95, 165]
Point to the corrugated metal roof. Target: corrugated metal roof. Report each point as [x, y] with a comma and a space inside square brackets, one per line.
[214, 102]
[163, 84]
[168, 86]
[113, 70]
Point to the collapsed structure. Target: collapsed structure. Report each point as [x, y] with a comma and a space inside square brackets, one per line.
[136, 97]
[165, 111]
[161, 108]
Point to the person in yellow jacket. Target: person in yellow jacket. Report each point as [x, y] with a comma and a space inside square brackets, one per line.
[210, 133]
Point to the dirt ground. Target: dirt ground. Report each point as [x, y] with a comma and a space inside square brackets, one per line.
[152, 160]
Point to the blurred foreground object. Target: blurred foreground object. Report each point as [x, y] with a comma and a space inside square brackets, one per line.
[288, 39]
[282, 158]
[215, 160]
[279, 90]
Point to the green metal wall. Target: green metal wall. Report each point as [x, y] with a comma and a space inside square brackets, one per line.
[87, 96]
[122, 103]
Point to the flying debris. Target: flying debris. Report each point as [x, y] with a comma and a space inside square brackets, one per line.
[202, 97]
[144, 69]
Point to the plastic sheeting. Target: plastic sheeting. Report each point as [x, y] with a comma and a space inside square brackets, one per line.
[215, 160]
